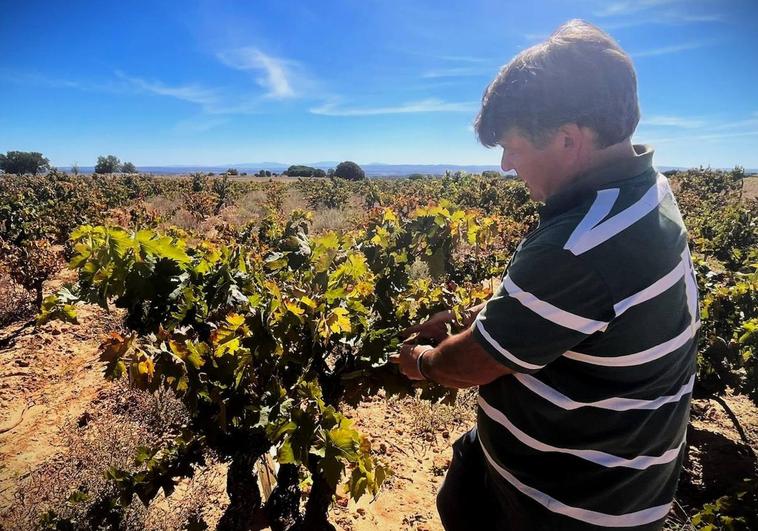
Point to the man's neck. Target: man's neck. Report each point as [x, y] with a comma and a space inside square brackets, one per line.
[601, 158]
[604, 157]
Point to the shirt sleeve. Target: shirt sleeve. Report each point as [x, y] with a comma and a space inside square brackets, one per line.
[549, 302]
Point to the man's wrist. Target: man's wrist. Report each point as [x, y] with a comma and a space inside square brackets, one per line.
[420, 363]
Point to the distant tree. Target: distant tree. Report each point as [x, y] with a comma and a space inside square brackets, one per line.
[299, 170]
[20, 162]
[319, 173]
[128, 167]
[232, 171]
[491, 174]
[243, 173]
[75, 168]
[211, 174]
[108, 164]
[349, 170]
[416, 176]
[268, 173]
[330, 172]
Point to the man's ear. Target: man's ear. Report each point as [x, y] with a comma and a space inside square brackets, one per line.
[571, 135]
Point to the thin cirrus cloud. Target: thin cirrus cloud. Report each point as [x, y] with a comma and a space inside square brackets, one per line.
[674, 48]
[664, 120]
[424, 106]
[207, 98]
[629, 7]
[628, 13]
[276, 74]
[460, 71]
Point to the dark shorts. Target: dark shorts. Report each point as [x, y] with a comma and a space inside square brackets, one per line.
[470, 499]
[474, 498]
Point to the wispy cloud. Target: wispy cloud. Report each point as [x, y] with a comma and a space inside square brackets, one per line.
[276, 73]
[629, 13]
[630, 7]
[460, 71]
[463, 58]
[674, 48]
[424, 106]
[713, 136]
[663, 120]
[192, 93]
[737, 124]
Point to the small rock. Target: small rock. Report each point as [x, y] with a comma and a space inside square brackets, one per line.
[361, 511]
[445, 434]
[22, 363]
[342, 501]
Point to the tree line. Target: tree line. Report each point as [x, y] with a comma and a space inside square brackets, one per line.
[33, 162]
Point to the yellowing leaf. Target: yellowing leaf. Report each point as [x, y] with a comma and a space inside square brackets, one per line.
[338, 321]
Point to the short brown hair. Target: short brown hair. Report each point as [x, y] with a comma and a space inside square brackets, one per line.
[578, 75]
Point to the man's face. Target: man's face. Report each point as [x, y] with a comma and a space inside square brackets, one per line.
[541, 168]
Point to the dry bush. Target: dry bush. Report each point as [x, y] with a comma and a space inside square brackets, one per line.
[252, 205]
[332, 219]
[293, 200]
[90, 451]
[164, 206]
[106, 435]
[428, 418]
[17, 303]
[184, 219]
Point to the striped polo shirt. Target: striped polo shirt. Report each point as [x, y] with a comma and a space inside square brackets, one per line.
[598, 317]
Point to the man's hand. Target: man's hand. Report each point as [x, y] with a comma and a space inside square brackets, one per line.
[433, 329]
[406, 359]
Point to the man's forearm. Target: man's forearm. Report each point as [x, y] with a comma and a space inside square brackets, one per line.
[461, 362]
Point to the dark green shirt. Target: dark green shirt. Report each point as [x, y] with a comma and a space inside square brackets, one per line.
[598, 316]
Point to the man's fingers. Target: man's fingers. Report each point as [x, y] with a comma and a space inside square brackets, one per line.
[410, 330]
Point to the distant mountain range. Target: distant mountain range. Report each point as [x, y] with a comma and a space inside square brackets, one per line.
[375, 169]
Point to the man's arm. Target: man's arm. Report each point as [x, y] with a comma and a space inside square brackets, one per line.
[458, 362]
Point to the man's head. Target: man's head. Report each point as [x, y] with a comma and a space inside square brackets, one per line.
[558, 103]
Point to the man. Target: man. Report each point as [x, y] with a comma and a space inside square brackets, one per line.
[585, 355]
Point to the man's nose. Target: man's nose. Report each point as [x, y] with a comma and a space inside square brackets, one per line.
[505, 163]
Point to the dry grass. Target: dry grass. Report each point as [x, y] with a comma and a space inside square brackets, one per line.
[106, 435]
[427, 418]
[17, 303]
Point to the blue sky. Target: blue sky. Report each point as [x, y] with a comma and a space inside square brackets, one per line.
[157, 82]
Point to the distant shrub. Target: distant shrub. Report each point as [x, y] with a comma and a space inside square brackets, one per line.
[299, 170]
[232, 171]
[349, 170]
[128, 167]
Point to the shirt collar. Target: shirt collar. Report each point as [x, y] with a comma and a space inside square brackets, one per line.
[586, 184]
